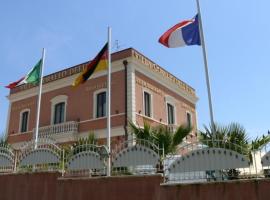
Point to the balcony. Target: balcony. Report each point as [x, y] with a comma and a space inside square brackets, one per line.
[172, 127]
[63, 132]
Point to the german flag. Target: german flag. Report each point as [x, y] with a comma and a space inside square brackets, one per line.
[99, 63]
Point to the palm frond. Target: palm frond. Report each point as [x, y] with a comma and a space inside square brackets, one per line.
[180, 133]
[259, 142]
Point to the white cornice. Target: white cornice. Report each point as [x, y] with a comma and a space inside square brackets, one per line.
[163, 81]
[61, 83]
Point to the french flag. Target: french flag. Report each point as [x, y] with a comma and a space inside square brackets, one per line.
[182, 34]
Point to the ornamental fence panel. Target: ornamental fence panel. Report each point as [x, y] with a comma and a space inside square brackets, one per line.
[207, 161]
[86, 160]
[196, 161]
[43, 155]
[135, 157]
[262, 161]
[7, 159]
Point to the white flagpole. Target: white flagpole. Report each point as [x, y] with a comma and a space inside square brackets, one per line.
[39, 97]
[206, 68]
[109, 103]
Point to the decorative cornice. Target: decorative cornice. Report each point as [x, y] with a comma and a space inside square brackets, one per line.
[116, 57]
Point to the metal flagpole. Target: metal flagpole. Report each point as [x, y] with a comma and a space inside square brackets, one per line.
[39, 97]
[109, 103]
[206, 68]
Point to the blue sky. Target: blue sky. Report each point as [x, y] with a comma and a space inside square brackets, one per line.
[236, 33]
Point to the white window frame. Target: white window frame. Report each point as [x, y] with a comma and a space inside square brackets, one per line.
[56, 100]
[151, 102]
[172, 101]
[20, 122]
[174, 112]
[191, 123]
[95, 103]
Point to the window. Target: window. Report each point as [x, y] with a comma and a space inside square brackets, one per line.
[189, 123]
[59, 113]
[170, 110]
[101, 105]
[147, 104]
[24, 121]
[59, 109]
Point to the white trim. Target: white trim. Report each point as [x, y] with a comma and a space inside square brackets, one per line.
[61, 83]
[172, 101]
[102, 133]
[155, 120]
[144, 90]
[8, 119]
[95, 119]
[174, 112]
[143, 69]
[15, 134]
[191, 123]
[20, 121]
[131, 93]
[56, 100]
[95, 93]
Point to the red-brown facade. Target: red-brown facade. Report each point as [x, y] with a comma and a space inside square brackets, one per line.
[132, 75]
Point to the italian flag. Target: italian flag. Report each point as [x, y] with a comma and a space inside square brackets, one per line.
[32, 77]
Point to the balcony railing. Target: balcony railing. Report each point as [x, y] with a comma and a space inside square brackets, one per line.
[172, 127]
[70, 127]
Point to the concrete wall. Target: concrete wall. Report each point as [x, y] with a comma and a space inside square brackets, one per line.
[50, 186]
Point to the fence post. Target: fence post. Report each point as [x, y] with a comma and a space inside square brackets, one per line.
[15, 162]
[163, 163]
[255, 163]
[63, 163]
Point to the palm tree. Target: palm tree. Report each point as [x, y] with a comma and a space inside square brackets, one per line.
[232, 136]
[3, 140]
[161, 135]
[168, 139]
[259, 142]
[144, 133]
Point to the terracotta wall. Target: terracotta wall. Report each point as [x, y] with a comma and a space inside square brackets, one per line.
[49, 186]
[159, 102]
[79, 105]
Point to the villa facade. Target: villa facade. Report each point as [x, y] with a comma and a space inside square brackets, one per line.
[140, 91]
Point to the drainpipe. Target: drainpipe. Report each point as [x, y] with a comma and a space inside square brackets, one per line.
[125, 63]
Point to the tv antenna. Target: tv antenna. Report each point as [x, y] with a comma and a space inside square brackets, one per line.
[117, 46]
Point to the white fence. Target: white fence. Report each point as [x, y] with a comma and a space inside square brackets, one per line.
[193, 162]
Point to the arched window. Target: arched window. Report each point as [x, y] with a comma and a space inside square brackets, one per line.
[59, 113]
[171, 113]
[24, 119]
[147, 104]
[189, 119]
[58, 109]
[171, 110]
[100, 106]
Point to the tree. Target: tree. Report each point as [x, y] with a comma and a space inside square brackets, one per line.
[3, 140]
[161, 135]
[259, 142]
[232, 136]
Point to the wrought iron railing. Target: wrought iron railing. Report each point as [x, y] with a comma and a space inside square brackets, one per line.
[198, 161]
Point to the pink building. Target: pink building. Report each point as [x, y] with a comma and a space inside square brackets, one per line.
[141, 90]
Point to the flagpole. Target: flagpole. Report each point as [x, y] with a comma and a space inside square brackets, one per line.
[109, 103]
[39, 97]
[206, 68]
